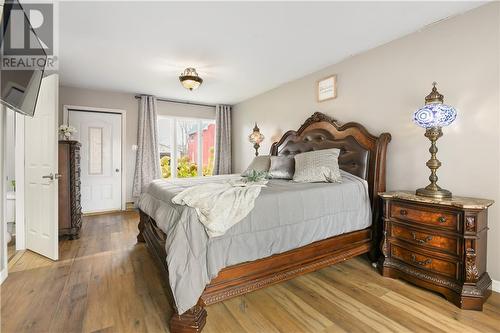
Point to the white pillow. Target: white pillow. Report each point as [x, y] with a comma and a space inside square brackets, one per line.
[260, 164]
[318, 166]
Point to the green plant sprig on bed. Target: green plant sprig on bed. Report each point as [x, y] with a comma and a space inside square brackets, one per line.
[256, 176]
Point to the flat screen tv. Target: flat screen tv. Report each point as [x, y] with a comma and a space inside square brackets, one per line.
[20, 74]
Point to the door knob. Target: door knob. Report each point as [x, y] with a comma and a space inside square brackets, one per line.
[117, 170]
[52, 176]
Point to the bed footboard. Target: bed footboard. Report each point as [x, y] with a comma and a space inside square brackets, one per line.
[195, 318]
[246, 277]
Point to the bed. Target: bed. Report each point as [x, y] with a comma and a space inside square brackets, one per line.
[294, 228]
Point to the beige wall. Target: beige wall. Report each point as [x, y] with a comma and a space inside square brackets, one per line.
[382, 87]
[114, 100]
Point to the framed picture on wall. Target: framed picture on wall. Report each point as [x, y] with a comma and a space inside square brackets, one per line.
[327, 88]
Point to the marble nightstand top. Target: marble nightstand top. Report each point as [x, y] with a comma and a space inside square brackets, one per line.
[461, 202]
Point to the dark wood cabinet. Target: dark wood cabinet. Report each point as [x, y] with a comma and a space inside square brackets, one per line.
[438, 244]
[70, 209]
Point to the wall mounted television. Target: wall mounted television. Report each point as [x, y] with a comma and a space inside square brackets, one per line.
[19, 85]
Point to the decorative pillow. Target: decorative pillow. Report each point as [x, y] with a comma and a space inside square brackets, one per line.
[259, 164]
[318, 166]
[282, 167]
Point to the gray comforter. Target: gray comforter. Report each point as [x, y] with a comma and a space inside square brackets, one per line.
[287, 215]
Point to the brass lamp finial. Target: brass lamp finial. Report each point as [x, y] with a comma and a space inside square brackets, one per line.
[434, 96]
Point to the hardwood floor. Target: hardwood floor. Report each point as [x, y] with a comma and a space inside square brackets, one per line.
[11, 249]
[105, 282]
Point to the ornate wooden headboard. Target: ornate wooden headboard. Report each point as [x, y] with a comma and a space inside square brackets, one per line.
[361, 153]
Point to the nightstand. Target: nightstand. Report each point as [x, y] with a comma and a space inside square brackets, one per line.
[439, 245]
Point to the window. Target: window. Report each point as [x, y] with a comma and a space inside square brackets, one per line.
[95, 150]
[187, 147]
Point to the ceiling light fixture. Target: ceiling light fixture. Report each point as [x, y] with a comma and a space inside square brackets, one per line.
[190, 79]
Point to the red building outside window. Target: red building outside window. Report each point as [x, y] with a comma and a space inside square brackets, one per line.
[181, 151]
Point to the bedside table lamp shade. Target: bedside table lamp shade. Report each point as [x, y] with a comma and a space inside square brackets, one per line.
[433, 116]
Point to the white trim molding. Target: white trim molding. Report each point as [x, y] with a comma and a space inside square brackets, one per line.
[3, 275]
[20, 182]
[495, 285]
[3, 242]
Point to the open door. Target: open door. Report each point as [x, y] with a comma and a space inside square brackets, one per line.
[41, 188]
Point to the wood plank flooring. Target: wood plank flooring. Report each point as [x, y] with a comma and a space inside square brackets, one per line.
[11, 249]
[106, 282]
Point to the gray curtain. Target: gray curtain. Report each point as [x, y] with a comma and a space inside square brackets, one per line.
[222, 163]
[147, 163]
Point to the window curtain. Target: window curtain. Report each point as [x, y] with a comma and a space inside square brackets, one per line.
[222, 163]
[147, 163]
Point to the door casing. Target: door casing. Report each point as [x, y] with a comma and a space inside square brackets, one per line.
[21, 226]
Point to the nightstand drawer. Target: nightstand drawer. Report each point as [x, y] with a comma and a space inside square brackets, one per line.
[425, 239]
[427, 262]
[425, 216]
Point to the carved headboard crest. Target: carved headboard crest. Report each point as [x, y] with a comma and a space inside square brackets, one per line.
[317, 117]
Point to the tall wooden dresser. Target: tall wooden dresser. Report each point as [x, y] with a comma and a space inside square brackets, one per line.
[70, 209]
[439, 245]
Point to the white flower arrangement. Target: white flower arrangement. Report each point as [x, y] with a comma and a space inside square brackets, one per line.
[67, 131]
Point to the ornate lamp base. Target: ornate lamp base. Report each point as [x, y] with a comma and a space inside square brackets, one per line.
[438, 193]
[256, 147]
[433, 190]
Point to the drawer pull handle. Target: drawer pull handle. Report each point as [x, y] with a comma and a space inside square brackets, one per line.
[403, 212]
[421, 240]
[441, 219]
[422, 262]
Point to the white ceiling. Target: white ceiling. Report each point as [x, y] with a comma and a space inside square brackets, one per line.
[239, 49]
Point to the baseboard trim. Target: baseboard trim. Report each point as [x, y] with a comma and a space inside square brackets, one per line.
[130, 205]
[3, 275]
[102, 213]
[495, 285]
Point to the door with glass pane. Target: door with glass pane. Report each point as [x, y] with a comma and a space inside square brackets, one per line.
[187, 146]
[100, 135]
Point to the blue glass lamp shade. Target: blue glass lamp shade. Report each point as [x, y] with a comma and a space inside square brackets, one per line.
[434, 115]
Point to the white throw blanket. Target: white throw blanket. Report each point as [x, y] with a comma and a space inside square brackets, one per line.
[220, 205]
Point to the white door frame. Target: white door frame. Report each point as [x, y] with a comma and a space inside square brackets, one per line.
[123, 113]
[19, 177]
[20, 217]
[3, 232]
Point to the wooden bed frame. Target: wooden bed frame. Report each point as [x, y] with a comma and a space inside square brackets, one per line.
[362, 154]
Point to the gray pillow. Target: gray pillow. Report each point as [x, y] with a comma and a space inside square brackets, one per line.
[282, 167]
[259, 164]
[318, 166]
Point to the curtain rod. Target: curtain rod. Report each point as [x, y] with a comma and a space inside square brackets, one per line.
[178, 101]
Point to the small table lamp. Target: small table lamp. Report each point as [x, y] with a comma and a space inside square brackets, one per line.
[256, 138]
[432, 116]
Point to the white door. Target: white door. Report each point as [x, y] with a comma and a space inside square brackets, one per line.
[100, 134]
[41, 188]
